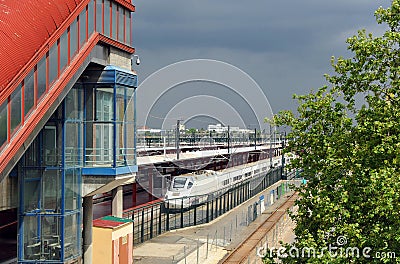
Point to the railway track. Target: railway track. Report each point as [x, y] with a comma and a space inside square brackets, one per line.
[248, 246]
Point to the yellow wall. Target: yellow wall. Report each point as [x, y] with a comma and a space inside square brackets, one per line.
[102, 245]
[122, 231]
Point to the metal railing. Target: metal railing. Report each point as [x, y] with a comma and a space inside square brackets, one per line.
[155, 219]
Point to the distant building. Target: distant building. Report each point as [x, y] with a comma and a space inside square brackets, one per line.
[218, 128]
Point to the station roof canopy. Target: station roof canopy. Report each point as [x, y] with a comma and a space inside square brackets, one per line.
[112, 75]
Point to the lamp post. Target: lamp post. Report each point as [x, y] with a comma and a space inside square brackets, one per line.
[270, 146]
[177, 137]
[284, 176]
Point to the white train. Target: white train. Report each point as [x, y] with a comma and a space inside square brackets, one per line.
[199, 186]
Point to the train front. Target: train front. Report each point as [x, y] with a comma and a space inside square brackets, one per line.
[178, 193]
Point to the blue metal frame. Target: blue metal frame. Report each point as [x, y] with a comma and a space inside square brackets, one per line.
[119, 76]
[104, 171]
[62, 233]
[114, 122]
[134, 125]
[112, 75]
[20, 246]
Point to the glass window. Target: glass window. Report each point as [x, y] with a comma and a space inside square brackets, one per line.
[71, 236]
[32, 154]
[82, 28]
[91, 17]
[72, 104]
[63, 50]
[50, 238]
[71, 189]
[179, 182]
[53, 63]
[50, 146]
[120, 151]
[29, 95]
[31, 237]
[41, 77]
[73, 143]
[129, 130]
[16, 111]
[31, 190]
[107, 23]
[121, 100]
[121, 24]
[51, 193]
[114, 21]
[104, 104]
[73, 34]
[99, 16]
[128, 24]
[103, 144]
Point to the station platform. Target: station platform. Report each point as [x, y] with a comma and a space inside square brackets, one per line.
[211, 242]
[193, 154]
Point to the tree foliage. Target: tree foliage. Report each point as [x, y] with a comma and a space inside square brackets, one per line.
[347, 138]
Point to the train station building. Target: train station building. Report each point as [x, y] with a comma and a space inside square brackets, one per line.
[67, 123]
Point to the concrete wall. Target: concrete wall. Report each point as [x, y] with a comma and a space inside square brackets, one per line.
[120, 58]
[9, 193]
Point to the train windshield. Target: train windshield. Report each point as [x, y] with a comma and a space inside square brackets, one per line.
[179, 182]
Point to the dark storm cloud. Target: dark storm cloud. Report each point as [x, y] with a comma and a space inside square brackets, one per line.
[284, 45]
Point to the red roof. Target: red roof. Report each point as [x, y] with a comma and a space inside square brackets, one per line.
[106, 223]
[24, 28]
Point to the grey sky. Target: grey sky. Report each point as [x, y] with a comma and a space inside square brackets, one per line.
[285, 45]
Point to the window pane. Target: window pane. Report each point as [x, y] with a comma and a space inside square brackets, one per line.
[121, 24]
[32, 155]
[63, 50]
[129, 128]
[49, 146]
[3, 123]
[71, 189]
[128, 27]
[51, 194]
[82, 28]
[119, 141]
[71, 236]
[31, 190]
[104, 104]
[50, 238]
[53, 63]
[16, 108]
[41, 75]
[99, 16]
[29, 92]
[73, 144]
[114, 21]
[73, 34]
[102, 154]
[72, 106]
[107, 23]
[91, 17]
[120, 90]
[31, 237]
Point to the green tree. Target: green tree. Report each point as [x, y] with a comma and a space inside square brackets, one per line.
[192, 130]
[350, 153]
